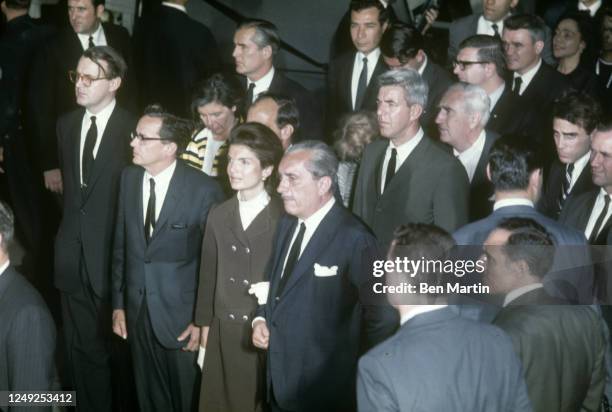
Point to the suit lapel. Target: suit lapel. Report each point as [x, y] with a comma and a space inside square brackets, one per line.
[480, 172]
[74, 141]
[6, 279]
[234, 222]
[379, 158]
[317, 244]
[372, 89]
[347, 75]
[283, 240]
[263, 220]
[173, 196]
[402, 176]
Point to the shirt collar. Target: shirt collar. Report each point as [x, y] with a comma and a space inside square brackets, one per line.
[423, 66]
[4, 267]
[262, 84]
[163, 177]
[312, 222]
[408, 146]
[174, 6]
[418, 311]
[528, 76]
[103, 115]
[84, 38]
[581, 163]
[516, 293]
[514, 201]
[261, 200]
[373, 56]
[592, 9]
[479, 142]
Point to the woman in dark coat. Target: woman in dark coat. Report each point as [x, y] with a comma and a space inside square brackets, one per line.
[236, 247]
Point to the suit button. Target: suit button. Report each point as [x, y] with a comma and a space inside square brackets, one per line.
[245, 318]
[83, 212]
[231, 316]
[277, 298]
[247, 250]
[232, 280]
[245, 282]
[233, 248]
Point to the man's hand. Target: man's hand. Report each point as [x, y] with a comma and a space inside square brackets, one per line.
[261, 335]
[119, 324]
[204, 336]
[53, 180]
[431, 15]
[193, 333]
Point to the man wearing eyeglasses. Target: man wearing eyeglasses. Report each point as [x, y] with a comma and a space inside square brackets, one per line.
[481, 62]
[163, 206]
[93, 149]
[56, 94]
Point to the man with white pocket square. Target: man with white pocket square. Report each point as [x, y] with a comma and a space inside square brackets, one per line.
[316, 321]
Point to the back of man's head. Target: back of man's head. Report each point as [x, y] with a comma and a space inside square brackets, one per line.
[401, 41]
[512, 160]
[529, 242]
[490, 50]
[17, 4]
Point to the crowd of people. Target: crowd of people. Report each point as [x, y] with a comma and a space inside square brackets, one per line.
[176, 236]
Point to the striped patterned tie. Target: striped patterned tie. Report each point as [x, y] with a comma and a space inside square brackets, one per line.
[565, 187]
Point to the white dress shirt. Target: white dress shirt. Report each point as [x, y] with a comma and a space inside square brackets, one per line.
[403, 151]
[101, 121]
[496, 95]
[486, 27]
[4, 267]
[423, 66]
[262, 85]
[516, 293]
[175, 6]
[527, 77]
[98, 37]
[597, 209]
[514, 201]
[579, 166]
[249, 209]
[592, 9]
[162, 182]
[470, 157]
[358, 66]
[420, 310]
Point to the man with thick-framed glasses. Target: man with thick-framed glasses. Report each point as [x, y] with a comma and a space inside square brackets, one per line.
[93, 149]
[56, 94]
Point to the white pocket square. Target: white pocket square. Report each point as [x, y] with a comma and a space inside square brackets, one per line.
[325, 271]
[260, 290]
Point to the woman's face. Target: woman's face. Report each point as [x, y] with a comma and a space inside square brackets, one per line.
[567, 41]
[245, 172]
[219, 119]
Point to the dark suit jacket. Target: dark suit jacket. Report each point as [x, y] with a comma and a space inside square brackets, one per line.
[89, 215]
[27, 337]
[172, 52]
[577, 211]
[438, 80]
[310, 115]
[166, 269]
[467, 26]
[507, 115]
[339, 79]
[474, 363]
[316, 323]
[481, 188]
[431, 186]
[57, 96]
[561, 348]
[549, 202]
[570, 278]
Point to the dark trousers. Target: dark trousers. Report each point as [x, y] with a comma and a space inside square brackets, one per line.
[167, 380]
[87, 329]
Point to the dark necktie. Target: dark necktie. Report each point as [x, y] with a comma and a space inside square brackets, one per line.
[518, 81]
[390, 168]
[565, 187]
[91, 43]
[249, 95]
[150, 217]
[362, 85]
[600, 220]
[88, 149]
[292, 258]
[495, 28]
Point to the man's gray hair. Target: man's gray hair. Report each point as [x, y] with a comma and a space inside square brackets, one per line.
[415, 88]
[323, 162]
[474, 100]
[7, 225]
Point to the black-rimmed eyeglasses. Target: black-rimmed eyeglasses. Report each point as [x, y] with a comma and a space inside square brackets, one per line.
[462, 64]
[86, 79]
[142, 138]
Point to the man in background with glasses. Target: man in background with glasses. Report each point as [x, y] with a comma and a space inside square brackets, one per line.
[93, 149]
[163, 206]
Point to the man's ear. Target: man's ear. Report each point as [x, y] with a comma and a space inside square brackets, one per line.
[416, 110]
[267, 51]
[488, 172]
[286, 133]
[115, 84]
[539, 46]
[324, 185]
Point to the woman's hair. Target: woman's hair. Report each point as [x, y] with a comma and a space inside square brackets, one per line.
[585, 25]
[355, 131]
[264, 143]
[218, 88]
